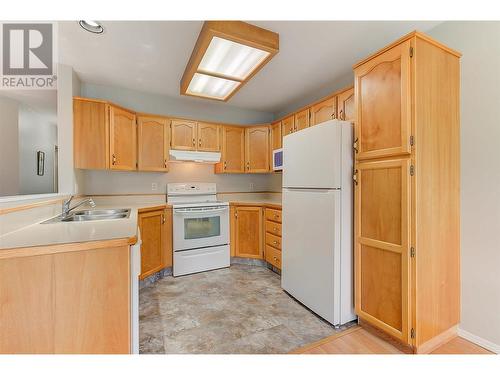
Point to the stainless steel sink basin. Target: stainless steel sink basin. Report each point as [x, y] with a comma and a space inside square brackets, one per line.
[91, 215]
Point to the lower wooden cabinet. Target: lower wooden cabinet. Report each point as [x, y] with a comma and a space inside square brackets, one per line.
[156, 235]
[247, 224]
[273, 256]
[71, 302]
[273, 237]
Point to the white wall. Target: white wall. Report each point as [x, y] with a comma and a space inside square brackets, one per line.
[37, 132]
[9, 147]
[106, 182]
[479, 43]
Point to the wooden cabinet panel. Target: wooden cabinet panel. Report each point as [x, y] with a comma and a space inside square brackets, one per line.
[276, 138]
[288, 125]
[383, 90]
[153, 143]
[273, 241]
[257, 149]
[156, 253]
[274, 215]
[345, 105]
[183, 135]
[122, 135]
[382, 209]
[248, 232]
[92, 300]
[208, 137]
[90, 134]
[233, 150]
[324, 111]
[273, 256]
[302, 119]
[273, 227]
[26, 305]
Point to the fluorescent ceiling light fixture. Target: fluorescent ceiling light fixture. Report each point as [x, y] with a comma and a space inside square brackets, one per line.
[226, 58]
[226, 55]
[211, 87]
[91, 26]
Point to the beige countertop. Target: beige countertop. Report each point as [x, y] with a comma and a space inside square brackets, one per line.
[37, 234]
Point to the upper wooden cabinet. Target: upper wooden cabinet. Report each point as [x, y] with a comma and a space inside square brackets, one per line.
[302, 119]
[156, 236]
[233, 150]
[153, 143]
[122, 139]
[184, 134]
[208, 137]
[248, 232]
[324, 111]
[257, 149]
[383, 94]
[345, 105]
[276, 138]
[90, 134]
[288, 125]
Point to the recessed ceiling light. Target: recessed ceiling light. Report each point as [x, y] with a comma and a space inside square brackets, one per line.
[226, 55]
[92, 26]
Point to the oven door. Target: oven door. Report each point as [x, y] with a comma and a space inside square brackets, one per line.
[198, 227]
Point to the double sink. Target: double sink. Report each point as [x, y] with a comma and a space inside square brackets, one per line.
[91, 215]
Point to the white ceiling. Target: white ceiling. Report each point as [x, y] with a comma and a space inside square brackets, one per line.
[150, 56]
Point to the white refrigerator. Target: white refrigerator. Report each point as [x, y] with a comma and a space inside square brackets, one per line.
[317, 243]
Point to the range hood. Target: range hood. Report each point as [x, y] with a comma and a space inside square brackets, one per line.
[196, 156]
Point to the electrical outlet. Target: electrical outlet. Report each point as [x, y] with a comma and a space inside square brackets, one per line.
[252, 186]
[154, 186]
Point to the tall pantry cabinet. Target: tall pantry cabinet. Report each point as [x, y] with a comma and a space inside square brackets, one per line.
[407, 195]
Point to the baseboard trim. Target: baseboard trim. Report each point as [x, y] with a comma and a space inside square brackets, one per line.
[437, 341]
[479, 341]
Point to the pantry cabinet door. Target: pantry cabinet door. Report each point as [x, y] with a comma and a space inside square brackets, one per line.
[288, 125]
[324, 111]
[345, 105]
[183, 135]
[153, 143]
[122, 136]
[249, 232]
[382, 209]
[208, 137]
[302, 119]
[383, 103]
[233, 149]
[257, 149]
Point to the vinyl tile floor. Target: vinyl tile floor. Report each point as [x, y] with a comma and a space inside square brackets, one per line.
[240, 310]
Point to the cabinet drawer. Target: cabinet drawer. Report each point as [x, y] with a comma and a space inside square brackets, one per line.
[273, 256]
[273, 240]
[274, 215]
[274, 228]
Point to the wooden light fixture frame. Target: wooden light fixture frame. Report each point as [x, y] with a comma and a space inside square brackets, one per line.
[235, 31]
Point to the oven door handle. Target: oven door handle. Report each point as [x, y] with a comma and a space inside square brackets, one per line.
[199, 211]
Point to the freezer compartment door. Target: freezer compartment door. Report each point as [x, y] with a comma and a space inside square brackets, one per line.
[312, 157]
[311, 249]
[198, 260]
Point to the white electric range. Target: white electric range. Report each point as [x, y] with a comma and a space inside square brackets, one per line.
[200, 228]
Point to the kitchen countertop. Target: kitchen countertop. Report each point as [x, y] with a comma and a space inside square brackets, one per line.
[38, 234]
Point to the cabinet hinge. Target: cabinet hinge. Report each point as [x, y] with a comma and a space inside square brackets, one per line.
[137, 165]
[412, 170]
[411, 51]
[412, 333]
[355, 177]
[412, 140]
[412, 252]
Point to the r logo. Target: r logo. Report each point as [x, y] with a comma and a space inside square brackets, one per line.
[27, 49]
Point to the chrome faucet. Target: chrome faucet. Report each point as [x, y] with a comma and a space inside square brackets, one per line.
[65, 206]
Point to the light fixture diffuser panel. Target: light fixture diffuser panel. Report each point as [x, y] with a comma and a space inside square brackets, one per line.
[231, 59]
[211, 87]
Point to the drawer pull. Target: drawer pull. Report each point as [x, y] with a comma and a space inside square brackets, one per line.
[275, 229]
[276, 242]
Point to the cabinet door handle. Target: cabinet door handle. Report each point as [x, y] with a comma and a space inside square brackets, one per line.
[355, 145]
[341, 115]
[355, 177]
[225, 165]
[163, 218]
[114, 159]
[165, 163]
[248, 165]
[199, 142]
[194, 142]
[333, 115]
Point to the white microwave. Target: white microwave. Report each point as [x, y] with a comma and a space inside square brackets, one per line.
[278, 159]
